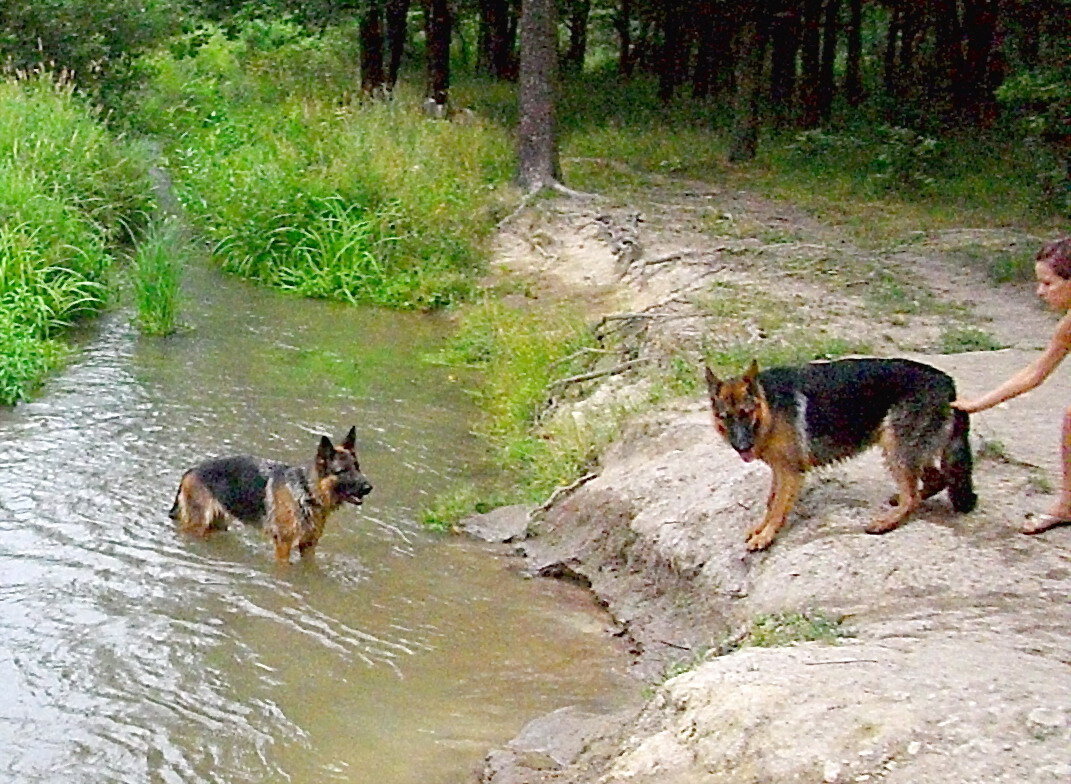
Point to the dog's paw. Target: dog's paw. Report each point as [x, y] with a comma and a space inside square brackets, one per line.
[884, 524]
[759, 540]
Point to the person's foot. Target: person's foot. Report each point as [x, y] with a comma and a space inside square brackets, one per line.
[1043, 522]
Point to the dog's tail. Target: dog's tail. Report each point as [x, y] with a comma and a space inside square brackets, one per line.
[957, 463]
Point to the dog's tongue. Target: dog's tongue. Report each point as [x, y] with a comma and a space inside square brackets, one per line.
[747, 455]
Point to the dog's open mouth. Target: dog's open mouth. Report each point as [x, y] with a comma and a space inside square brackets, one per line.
[747, 455]
[356, 500]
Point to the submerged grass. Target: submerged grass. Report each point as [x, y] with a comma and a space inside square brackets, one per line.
[64, 215]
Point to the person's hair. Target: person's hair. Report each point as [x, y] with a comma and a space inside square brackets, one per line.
[1057, 254]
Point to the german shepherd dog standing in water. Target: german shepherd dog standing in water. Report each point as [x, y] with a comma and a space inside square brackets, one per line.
[798, 418]
[292, 503]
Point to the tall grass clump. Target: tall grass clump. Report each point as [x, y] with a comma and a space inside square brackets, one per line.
[156, 273]
[69, 190]
[361, 201]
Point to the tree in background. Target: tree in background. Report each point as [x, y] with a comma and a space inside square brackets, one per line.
[537, 149]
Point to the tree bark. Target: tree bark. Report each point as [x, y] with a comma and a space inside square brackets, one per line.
[537, 145]
[579, 12]
[810, 64]
[373, 79]
[853, 78]
[437, 30]
[750, 53]
[713, 73]
[397, 32]
[784, 46]
[826, 83]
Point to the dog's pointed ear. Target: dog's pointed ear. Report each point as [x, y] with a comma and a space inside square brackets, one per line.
[713, 382]
[350, 442]
[751, 375]
[325, 451]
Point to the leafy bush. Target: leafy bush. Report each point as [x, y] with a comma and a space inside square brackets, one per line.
[1041, 102]
[905, 160]
[94, 41]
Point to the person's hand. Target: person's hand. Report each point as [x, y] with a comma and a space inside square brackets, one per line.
[966, 406]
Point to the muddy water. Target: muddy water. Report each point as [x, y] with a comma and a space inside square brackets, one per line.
[131, 654]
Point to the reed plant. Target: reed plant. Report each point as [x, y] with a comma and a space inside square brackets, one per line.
[156, 276]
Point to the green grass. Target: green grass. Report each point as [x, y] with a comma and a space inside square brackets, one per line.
[64, 215]
[773, 630]
[156, 273]
[301, 186]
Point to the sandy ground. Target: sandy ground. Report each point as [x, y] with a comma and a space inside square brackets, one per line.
[952, 665]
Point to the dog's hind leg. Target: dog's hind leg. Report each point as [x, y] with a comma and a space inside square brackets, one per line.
[194, 509]
[907, 484]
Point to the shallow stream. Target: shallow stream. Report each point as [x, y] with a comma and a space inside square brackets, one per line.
[129, 653]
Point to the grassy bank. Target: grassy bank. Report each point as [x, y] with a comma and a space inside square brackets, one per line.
[879, 184]
[70, 194]
[300, 184]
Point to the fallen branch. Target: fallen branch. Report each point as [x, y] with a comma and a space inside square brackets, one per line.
[598, 373]
[561, 491]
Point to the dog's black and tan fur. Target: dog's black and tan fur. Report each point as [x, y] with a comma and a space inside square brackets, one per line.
[798, 418]
[292, 503]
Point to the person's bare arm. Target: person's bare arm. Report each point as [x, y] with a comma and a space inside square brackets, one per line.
[1030, 376]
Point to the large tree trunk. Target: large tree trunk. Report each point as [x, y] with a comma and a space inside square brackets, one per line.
[826, 83]
[946, 78]
[671, 54]
[537, 148]
[373, 80]
[397, 32]
[437, 30]
[982, 73]
[750, 53]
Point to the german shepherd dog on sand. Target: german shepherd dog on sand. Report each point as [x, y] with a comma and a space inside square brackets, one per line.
[291, 503]
[798, 418]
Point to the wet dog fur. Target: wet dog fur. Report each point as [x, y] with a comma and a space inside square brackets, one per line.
[801, 417]
[291, 503]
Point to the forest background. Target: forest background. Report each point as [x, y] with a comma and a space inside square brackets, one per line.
[367, 151]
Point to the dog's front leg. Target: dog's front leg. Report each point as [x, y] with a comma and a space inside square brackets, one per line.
[908, 500]
[784, 488]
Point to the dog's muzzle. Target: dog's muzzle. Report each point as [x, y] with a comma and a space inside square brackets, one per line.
[355, 494]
